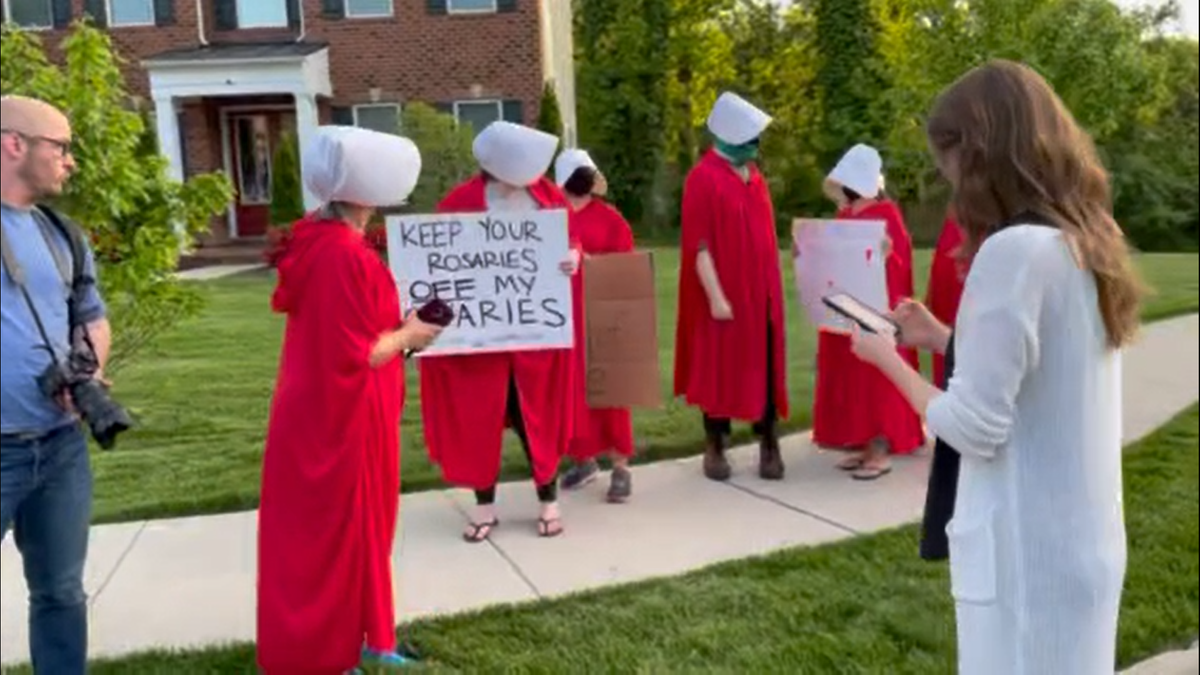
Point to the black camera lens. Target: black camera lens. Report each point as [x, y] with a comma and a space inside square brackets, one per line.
[104, 416]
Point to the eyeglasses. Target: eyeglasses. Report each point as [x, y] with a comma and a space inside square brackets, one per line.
[64, 147]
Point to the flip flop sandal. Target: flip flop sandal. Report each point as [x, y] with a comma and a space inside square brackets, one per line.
[480, 532]
[874, 473]
[851, 464]
[545, 527]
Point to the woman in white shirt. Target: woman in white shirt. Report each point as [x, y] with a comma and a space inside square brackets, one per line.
[1037, 543]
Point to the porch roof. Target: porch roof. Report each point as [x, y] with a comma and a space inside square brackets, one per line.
[241, 69]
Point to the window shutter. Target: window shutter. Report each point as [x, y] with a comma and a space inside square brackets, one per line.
[333, 9]
[225, 14]
[164, 12]
[437, 6]
[514, 111]
[61, 10]
[98, 11]
[506, 6]
[342, 116]
[293, 14]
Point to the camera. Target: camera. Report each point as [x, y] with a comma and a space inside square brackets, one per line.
[77, 377]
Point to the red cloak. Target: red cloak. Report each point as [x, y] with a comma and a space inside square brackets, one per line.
[854, 403]
[721, 366]
[600, 229]
[947, 276]
[464, 397]
[331, 469]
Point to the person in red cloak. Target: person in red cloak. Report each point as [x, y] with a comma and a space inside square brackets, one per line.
[331, 471]
[855, 407]
[468, 400]
[601, 229]
[730, 355]
[947, 277]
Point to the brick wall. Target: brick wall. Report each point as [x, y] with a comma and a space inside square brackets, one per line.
[411, 56]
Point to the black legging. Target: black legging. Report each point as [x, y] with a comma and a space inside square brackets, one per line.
[943, 488]
[719, 427]
[547, 493]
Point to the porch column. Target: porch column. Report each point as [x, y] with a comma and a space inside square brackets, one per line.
[307, 122]
[170, 145]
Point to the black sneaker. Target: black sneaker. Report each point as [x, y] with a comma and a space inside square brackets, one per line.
[579, 475]
[621, 486]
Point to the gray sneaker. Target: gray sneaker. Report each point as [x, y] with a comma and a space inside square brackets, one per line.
[621, 486]
[579, 475]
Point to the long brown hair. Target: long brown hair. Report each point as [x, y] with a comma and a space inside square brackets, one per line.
[1017, 150]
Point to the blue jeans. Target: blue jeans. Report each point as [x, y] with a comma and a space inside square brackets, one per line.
[46, 496]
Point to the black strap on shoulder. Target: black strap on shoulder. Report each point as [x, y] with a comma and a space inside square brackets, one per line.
[75, 240]
[75, 275]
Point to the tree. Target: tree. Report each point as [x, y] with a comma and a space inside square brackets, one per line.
[850, 79]
[549, 115]
[287, 195]
[623, 60]
[446, 154]
[139, 219]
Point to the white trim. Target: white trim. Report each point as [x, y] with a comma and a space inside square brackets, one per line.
[359, 106]
[499, 103]
[451, 10]
[182, 64]
[227, 151]
[303, 75]
[350, 14]
[47, 27]
[108, 8]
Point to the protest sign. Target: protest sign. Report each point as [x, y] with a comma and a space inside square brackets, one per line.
[498, 271]
[622, 331]
[840, 256]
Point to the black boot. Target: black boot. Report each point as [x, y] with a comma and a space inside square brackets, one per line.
[770, 460]
[716, 466]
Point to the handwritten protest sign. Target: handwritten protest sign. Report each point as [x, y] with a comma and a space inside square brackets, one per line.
[498, 271]
[846, 256]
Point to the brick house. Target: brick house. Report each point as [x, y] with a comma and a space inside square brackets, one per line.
[225, 78]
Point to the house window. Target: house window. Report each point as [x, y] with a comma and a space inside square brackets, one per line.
[470, 6]
[29, 13]
[130, 13]
[368, 9]
[262, 13]
[478, 114]
[382, 117]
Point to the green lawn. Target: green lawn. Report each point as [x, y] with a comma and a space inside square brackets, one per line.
[202, 397]
[867, 605]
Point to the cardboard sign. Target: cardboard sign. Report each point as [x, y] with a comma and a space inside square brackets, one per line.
[498, 271]
[622, 331]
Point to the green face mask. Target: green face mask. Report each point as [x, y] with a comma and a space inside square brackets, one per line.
[738, 155]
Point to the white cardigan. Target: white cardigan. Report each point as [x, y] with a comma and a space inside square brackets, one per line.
[1037, 544]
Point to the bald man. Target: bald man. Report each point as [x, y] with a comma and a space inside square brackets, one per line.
[45, 478]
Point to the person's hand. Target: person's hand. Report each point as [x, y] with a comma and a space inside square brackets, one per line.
[571, 265]
[918, 326]
[873, 348]
[67, 403]
[416, 334]
[721, 309]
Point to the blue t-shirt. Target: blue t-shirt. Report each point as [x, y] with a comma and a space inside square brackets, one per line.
[23, 407]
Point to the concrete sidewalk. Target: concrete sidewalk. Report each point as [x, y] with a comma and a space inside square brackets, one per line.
[190, 583]
[1174, 663]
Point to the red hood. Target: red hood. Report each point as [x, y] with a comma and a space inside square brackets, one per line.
[301, 253]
